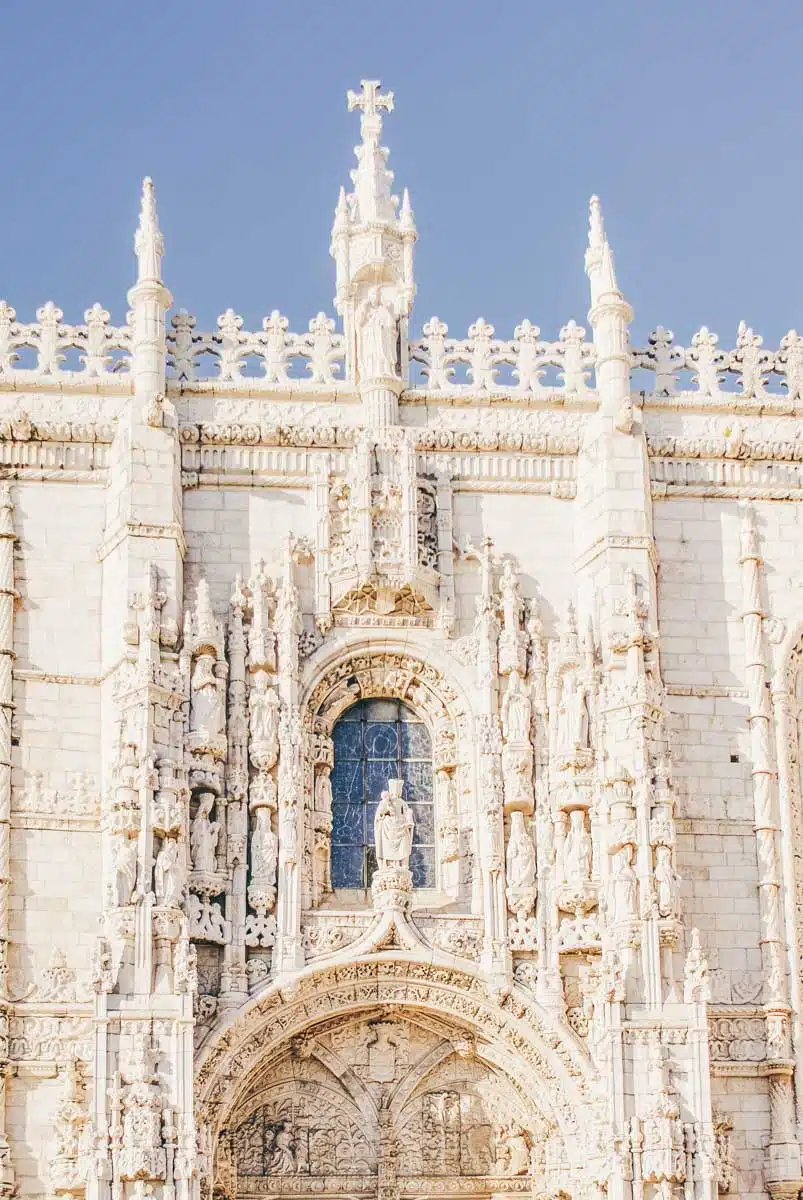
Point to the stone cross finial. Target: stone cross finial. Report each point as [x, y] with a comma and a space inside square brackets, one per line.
[371, 102]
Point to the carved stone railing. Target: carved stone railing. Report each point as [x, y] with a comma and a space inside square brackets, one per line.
[314, 359]
[507, 367]
[103, 349]
[50, 352]
[704, 372]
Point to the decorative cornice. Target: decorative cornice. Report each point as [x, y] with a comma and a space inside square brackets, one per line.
[170, 530]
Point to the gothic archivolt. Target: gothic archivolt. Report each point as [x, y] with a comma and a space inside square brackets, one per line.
[413, 1067]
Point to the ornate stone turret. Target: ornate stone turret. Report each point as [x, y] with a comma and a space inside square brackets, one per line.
[373, 251]
[610, 316]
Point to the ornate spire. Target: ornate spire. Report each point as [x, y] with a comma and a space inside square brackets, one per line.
[599, 257]
[149, 244]
[371, 199]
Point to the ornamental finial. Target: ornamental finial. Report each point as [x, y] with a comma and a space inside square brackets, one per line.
[371, 200]
[599, 256]
[148, 241]
[371, 103]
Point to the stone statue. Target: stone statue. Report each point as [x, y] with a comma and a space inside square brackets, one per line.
[207, 712]
[263, 722]
[282, 1159]
[512, 1151]
[512, 605]
[578, 850]
[323, 792]
[377, 336]
[520, 856]
[264, 849]
[572, 716]
[124, 858]
[666, 882]
[516, 711]
[167, 875]
[624, 887]
[393, 828]
[204, 836]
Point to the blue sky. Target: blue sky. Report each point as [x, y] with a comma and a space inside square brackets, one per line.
[685, 117]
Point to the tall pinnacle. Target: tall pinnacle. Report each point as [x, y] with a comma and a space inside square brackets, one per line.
[148, 241]
[372, 200]
[599, 257]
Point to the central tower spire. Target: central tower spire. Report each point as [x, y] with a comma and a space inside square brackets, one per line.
[372, 245]
[372, 180]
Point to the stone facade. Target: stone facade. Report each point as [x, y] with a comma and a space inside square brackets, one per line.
[548, 944]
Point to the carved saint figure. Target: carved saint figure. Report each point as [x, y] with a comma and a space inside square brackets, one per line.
[512, 1152]
[516, 711]
[624, 886]
[263, 720]
[204, 836]
[323, 792]
[124, 857]
[376, 337]
[578, 849]
[393, 827]
[520, 856]
[512, 606]
[167, 880]
[572, 716]
[282, 1159]
[666, 881]
[207, 713]
[264, 849]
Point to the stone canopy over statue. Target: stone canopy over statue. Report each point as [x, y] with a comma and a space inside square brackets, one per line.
[393, 828]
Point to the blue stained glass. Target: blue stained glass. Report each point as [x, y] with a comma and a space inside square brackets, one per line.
[347, 739]
[347, 866]
[418, 782]
[415, 740]
[422, 865]
[424, 829]
[377, 774]
[348, 828]
[374, 741]
[380, 710]
[381, 741]
[346, 782]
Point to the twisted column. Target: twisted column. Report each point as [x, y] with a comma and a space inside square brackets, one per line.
[7, 597]
[783, 1161]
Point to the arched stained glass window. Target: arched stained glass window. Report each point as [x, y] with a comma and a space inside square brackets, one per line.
[374, 741]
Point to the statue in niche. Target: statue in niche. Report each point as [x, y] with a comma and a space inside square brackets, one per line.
[282, 1159]
[263, 723]
[167, 875]
[124, 859]
[377, 337]
[520, 856]
[512, 1151]
[204, 835]
[516, 711]
[666, 882]
[512, 604]
[624, 886]
[445, 795]
[264, 849]
[578, 850]
[572, 716]
[323, 792]
[207, 705]
[393, 828]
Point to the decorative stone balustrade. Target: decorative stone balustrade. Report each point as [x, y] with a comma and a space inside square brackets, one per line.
[522, 363]
[704, 371]
[104, 349]
[320, 352]
[475, 366]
